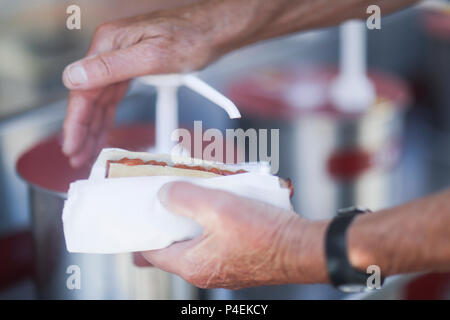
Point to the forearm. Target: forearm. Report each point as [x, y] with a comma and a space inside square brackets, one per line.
[409, 238]
[235, 23]
[413, 237]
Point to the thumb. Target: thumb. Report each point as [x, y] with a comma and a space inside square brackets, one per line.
[195, 202]
[111, 67]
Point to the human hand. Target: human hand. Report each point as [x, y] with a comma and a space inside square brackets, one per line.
[245, 242]
[162, 42]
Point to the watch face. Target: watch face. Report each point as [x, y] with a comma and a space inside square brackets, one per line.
[352, 288]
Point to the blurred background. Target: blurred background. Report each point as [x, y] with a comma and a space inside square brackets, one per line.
[396, 151]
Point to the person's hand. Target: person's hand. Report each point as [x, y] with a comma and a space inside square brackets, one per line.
[162, 42]
[245, 242]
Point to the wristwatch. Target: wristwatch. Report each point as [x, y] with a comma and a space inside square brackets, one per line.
[340, 271]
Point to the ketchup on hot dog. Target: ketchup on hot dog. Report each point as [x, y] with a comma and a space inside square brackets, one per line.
[138, 162]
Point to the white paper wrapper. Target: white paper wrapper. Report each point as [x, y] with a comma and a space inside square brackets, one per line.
[124, 214]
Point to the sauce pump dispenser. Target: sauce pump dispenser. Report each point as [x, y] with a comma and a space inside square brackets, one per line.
[167, 104]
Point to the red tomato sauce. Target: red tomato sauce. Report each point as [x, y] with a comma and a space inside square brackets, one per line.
[139, 162]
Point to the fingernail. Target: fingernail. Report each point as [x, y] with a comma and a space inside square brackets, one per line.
[76, 74]
[163, 193]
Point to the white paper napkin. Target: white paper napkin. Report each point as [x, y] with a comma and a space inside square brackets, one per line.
[124, 214]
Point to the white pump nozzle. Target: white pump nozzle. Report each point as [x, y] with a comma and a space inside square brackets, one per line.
[352, 91]
[212, 94]
[167, 103]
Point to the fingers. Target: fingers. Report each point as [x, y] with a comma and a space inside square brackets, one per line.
[80, 108]
[198, 203]
[113, 66]
[89, 116]
[164, 258]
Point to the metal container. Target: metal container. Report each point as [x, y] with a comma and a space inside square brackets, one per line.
[118, 276]
[334, 159]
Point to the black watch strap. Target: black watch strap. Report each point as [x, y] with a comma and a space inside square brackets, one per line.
[340, 271]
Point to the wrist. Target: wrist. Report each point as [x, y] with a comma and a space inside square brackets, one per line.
[233, 24]
[305, 260]
[365, 245]
[229, 23]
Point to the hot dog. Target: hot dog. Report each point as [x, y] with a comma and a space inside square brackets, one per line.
[162, 165]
